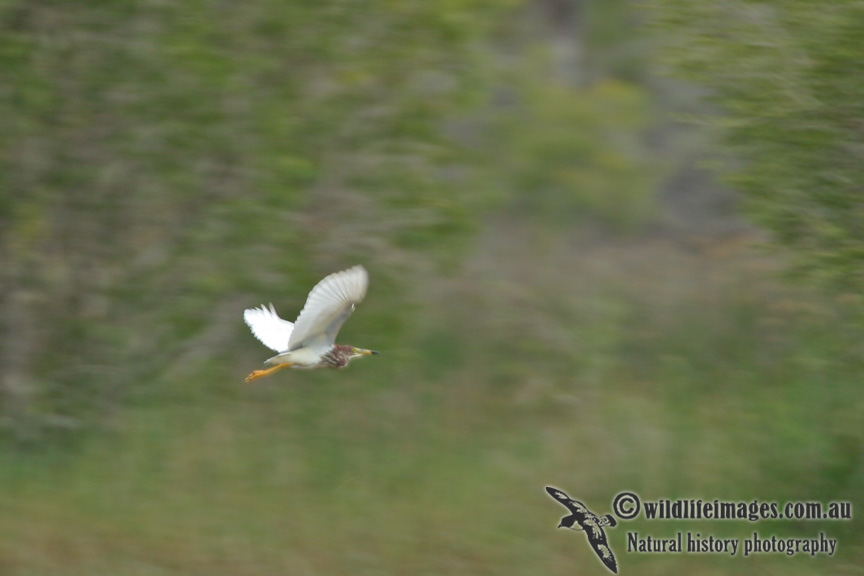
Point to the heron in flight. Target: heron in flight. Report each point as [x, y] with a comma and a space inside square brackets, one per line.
[310, 342]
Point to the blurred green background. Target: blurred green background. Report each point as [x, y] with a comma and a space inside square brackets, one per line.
[613, 245]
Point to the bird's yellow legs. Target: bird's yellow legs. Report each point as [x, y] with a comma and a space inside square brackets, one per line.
[255, 374]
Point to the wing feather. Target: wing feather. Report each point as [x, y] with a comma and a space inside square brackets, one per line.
[597, 539]
[328, 306]
[268, 327]
[574, 506]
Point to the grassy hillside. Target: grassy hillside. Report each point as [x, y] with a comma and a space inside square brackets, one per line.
[664, 371]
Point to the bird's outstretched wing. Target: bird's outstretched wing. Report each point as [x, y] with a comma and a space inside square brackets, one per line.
[329, 304]
[597, 539]
[574, 506]
[268, 327]
[591, 523]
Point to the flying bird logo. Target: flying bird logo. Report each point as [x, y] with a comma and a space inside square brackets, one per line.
[581, 518]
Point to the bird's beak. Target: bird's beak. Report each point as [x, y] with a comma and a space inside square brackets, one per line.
[362, 352]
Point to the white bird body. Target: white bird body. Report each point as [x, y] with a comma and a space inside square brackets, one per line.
[301, 358]
[310, 342]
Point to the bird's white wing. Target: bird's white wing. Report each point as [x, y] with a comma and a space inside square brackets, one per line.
[328, 306]
[268, 327]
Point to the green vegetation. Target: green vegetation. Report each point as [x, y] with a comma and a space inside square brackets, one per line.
[789, 107]
[502, 171]
[689, 382]
[161, 157]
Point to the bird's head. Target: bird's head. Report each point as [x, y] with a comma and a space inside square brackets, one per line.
[567, 521]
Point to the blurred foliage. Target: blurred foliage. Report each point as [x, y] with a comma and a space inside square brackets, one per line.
[661, 372]
[169, 163]
[789, 104]
[566, 133]
[161, 156]
[570, 155]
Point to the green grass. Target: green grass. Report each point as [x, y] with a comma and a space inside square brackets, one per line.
[692, 377]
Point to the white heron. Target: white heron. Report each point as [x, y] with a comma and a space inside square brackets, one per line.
[310, 342]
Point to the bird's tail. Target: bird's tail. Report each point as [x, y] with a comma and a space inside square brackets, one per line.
[612, 521]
